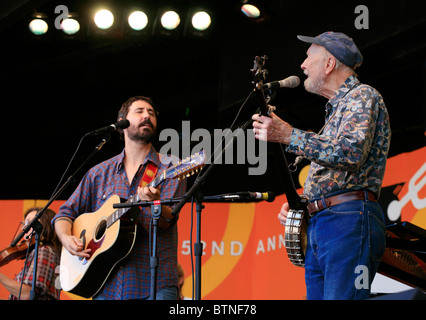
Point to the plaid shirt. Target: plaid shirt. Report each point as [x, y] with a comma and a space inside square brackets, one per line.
[47, 261]
[131, 278]
[351, 153]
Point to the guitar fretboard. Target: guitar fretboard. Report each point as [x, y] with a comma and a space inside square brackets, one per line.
[180, 170]
[116, 215]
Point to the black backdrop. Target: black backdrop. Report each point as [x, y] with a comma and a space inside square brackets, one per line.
[54, 90]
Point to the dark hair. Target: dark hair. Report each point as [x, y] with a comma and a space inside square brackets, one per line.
[48, 235]
[124, 110]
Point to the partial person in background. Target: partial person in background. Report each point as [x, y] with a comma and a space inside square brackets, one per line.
[47, 261]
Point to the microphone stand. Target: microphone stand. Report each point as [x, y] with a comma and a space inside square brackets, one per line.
[215, 198]
[35, 223]
[156, 213]
[196, 192]
[153, 262]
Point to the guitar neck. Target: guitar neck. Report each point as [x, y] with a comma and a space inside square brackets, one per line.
[294, 200]
[135, 198]
[180, 170]
[157, 180]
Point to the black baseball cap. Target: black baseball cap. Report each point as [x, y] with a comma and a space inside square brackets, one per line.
[339, 45]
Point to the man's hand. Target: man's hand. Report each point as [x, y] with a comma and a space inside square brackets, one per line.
[75, 246]
[149, 193]
[282, 215]
[272, 129]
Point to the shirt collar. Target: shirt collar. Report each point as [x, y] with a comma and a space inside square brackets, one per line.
[152, 156]
[349, 83]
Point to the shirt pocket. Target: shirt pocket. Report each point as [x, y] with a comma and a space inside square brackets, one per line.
[104, 194]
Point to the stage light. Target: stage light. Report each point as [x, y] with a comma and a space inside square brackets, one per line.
[170, 20]
[104, 19]
[201, 20]
[38, 27]
[138, 20]
[70, 26]
[167, 24]
[250, 11]
[198, 25]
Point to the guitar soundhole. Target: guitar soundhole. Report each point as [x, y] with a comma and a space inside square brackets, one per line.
[83, 239]
[100, 230]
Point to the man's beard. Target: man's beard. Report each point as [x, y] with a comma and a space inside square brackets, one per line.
[146, 136]
[314, 85]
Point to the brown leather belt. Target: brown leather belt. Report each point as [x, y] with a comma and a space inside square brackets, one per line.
[318, 205]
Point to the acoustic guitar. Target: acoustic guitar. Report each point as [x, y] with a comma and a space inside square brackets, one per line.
[110, 234]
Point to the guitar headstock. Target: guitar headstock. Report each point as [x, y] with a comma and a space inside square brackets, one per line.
[186, 167]
[259, 76]
[259, 72]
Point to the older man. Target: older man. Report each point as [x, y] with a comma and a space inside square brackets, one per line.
[346, 235]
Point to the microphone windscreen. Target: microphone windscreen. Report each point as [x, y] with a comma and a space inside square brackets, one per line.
[290, 82]
[122, 124]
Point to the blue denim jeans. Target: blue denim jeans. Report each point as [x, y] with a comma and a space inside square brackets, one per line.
[345, 246]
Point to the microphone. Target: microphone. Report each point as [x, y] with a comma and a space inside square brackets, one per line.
[267, 196]
[122, 124]
[241, 196]
[290, 82]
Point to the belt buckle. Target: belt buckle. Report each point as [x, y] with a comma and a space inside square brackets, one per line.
[316, 205]
[317, 209]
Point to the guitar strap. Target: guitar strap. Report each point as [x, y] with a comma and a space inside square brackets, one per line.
[149, 174]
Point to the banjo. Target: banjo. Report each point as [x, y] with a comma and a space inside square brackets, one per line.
[295, 238]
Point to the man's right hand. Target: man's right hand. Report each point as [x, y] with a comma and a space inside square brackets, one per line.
[75, 246]
[72, 243]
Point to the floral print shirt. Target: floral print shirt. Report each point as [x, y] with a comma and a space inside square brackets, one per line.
[351, 152]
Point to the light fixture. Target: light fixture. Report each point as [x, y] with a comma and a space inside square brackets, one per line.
[167, 23]
[201, 20]
[170, 20]
[70, 26]
[137, 20]
[256, 11]
[198, 23]
[132, 22]
[104, 19]
[250, 11]
[38, 26]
